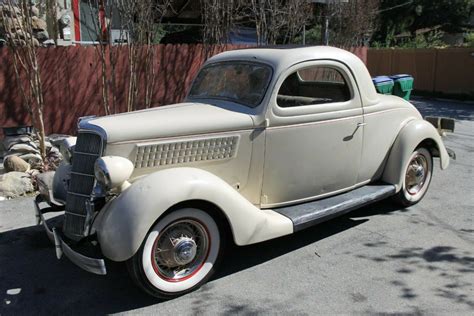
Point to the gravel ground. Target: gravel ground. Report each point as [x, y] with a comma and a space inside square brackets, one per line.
[377, 260]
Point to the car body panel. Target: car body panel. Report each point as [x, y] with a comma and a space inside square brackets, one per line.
[172, 121]
[235, 168]
[326, 156]
[383, 122]
[124, 222]
[409, 138]
[245, 161]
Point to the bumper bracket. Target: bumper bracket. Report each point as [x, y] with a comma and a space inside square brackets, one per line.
[92, 265]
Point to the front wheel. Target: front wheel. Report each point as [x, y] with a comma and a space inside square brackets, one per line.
[178, 255]
[417, 178]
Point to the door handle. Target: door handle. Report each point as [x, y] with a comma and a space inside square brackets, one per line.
[361, 124]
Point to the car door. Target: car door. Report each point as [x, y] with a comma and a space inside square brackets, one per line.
[314, 136]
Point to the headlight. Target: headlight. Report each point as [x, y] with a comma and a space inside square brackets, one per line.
[66, 148]
[113, 171]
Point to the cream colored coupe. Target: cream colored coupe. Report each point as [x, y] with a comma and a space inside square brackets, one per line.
[267, 142]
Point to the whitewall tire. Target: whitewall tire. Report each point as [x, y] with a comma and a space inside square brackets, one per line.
[178, 255]
[417, 177]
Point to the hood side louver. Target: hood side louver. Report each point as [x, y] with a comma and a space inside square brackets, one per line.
[172, 153]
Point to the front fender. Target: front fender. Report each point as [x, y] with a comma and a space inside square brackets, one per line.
[408, 139]
[123, 223]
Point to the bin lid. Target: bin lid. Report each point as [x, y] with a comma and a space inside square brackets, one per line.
[382, 79]
[400, 76]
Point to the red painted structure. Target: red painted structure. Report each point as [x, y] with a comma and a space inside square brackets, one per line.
[77, 19]
[72, 82]
[102, 20]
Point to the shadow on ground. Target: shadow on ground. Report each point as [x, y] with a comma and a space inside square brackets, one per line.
[32, 280]
[451, 267]
[448, 108]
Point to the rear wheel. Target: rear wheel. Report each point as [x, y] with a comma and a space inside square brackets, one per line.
[417, 177]
[179, 254]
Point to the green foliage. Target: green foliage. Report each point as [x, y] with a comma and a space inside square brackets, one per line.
[313, 36]
[396, 18]
[160, 32]
[431, 40]
[469, 39]
[450, 14]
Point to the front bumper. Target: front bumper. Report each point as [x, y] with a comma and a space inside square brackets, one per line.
[93, 265]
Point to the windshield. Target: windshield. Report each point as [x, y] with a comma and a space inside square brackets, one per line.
[240, 82]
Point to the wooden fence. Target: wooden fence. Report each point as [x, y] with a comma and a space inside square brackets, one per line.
[448, 71]
[72, 82]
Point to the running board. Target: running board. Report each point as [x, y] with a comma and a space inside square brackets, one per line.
[315, 212]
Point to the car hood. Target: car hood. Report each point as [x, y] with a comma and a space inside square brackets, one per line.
[169, 121]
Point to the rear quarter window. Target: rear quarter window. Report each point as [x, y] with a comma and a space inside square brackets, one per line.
[313, 85]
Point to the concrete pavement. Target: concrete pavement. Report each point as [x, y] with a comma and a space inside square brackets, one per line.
[378, 260]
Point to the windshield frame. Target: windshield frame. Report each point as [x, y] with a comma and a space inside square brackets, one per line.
[236, 61]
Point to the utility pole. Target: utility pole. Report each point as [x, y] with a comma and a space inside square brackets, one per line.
[327, 17]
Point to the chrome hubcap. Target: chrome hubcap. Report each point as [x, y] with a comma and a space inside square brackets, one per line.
[184, 251]
[416, 174]
[180, 249]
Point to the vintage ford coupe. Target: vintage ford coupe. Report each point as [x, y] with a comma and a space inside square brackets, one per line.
[267, 142]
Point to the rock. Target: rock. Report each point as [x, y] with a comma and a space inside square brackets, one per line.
[11, 140]
[14, 184]
[45, 182]
[24, 148]
[18, 42]
[12, 24]
[38, 24]
[19, 153]
[34, 11]
[22, 35]
[49, 43]
[7, 10]
[56, 138]
[7, 154]
[33, 172]
[32, 159]
[41, 35]
[47, 144]
[14, 163]
[2, 169]
[54, 152]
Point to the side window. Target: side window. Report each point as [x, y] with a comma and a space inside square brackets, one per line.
[313, 85]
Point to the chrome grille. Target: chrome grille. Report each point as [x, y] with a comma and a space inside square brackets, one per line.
[82, 184]
[89, 143]
[88, 148]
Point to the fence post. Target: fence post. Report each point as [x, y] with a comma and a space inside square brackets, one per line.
[435, 70]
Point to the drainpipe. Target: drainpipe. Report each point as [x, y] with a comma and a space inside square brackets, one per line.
[77, 20]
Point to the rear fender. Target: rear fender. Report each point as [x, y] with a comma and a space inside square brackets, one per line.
[409, 138]
[124, 222]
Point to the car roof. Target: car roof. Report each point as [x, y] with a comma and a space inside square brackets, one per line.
[281, 58]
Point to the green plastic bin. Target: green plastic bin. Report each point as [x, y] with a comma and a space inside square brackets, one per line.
[403, 85]
[383, 84]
